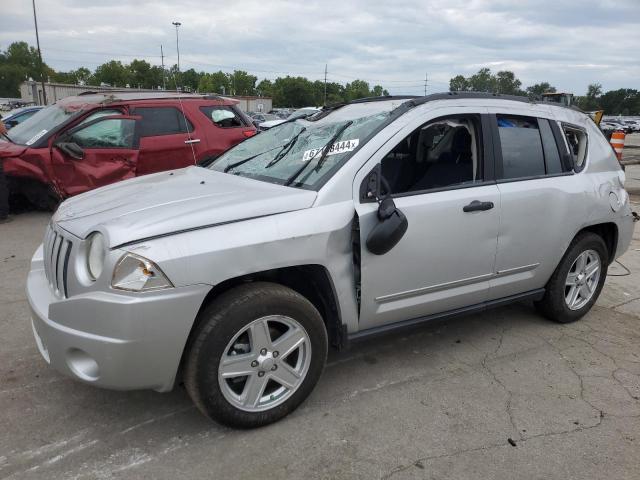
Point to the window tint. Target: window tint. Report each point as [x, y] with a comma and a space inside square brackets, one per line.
[577, 142]
[162, 121]
[522, 154]
[440, 154]
[551, 154]
[223, 117]
[108, 133]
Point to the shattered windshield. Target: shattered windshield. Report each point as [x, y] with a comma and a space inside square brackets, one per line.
[38, 125]
[299, 153]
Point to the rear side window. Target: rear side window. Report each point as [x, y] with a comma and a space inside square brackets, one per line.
[522, 151]
[223, 117]
[577, 143]
[158, 121]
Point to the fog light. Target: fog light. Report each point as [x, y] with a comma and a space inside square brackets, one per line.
[82, 364]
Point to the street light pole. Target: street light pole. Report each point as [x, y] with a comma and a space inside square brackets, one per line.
[35, 21]
[177, 24]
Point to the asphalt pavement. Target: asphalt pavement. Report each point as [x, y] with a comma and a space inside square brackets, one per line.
[499, 395]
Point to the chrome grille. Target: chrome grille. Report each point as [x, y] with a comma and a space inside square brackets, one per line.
[56, 260]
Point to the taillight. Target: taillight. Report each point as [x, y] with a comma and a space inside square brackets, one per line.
[249, 133]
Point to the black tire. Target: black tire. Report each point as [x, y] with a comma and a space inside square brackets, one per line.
[223, 319]
[553, 304]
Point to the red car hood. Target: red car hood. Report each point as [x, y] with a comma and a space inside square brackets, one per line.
[8, 149]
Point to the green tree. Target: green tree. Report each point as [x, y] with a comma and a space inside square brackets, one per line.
[112, 73]
[624, 101]
[242, 83]
[459, 84]
[534, 92]
[18, 63]
[356, 89]
[216, 82]
[590, 101]
[506, 83]
[265, 88]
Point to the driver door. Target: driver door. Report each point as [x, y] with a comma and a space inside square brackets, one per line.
[444, 261]
[95, 153]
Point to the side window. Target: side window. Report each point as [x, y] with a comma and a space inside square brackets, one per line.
[522, 152]
[440, 154]
[223, 117]
[99, 114]
[158, 121]
[108, 133]
[577, 143]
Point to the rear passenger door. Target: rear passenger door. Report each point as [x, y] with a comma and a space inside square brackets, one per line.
[164, 139]
[226, 127]
[541, 200]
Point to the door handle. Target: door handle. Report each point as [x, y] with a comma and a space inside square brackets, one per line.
[195, 140]
[477, 206]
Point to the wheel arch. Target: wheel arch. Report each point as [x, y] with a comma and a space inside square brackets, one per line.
[608, 231]
[312, 281]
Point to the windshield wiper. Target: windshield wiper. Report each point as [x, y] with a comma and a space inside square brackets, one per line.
[325, 152]
[245, 160]
[286, 149]
[6, 135]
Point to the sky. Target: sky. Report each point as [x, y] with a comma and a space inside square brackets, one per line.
[396, 44]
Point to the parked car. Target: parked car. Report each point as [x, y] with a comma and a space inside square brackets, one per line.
[363, 219]
[258, 118]
[632, 125]
[95, 139]
[19, 115]
[301, 112]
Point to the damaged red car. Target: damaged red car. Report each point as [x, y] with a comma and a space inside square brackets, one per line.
[84, 142]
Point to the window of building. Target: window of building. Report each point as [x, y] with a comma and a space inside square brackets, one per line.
[440, 154]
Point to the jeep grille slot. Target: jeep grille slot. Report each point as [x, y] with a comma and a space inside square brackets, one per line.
[56, 261]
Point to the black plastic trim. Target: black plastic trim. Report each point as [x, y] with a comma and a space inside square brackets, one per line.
[375, 331]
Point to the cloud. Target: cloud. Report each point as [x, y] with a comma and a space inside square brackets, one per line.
[569, 44]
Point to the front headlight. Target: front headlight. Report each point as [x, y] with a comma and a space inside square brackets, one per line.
[135, 273]
[96, 254]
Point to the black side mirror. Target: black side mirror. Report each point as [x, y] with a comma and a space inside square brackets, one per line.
[71, 148]
[10, 124]
[392, 223]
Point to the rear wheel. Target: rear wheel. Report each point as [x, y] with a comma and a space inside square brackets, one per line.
[257, 354]
[577, 281]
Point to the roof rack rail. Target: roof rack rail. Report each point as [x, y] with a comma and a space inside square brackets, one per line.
[383, 98]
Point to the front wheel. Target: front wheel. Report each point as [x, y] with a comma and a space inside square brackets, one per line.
[257, 353]
[577, 281]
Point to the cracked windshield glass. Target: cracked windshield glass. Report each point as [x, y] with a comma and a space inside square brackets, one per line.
[301, 153]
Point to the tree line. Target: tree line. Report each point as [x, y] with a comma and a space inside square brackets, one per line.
[20, 62]
[624, 101]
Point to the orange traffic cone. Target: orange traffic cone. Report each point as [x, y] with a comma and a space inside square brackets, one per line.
[617, 142]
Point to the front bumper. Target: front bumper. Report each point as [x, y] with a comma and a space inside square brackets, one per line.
[109, 339]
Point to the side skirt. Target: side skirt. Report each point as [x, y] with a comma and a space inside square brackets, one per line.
[479, 307]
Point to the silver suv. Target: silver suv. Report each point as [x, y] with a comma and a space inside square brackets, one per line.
[236, 277]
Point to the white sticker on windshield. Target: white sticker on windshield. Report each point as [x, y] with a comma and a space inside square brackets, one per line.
[335, 149]
[36, 137]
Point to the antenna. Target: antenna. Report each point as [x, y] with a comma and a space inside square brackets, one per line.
[426, 81]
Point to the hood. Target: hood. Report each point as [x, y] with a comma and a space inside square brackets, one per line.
[171, 202]
[9, 149]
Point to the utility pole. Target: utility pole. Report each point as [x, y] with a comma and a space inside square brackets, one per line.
[325, 84]
[35, 21]
[426, 80]
[164, 83]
